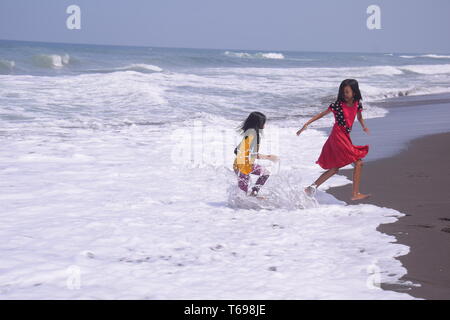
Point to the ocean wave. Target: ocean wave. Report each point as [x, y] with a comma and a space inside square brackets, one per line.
[432, 56]
[427, 69]
[259, 55]
[6, 66]
[137, 67]
[318, 72]
[356, 72]
[53, 61]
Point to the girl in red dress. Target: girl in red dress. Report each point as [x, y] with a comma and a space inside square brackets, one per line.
[339, 151]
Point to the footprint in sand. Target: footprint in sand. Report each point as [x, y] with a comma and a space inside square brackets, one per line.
[447, 229]
[426, 226]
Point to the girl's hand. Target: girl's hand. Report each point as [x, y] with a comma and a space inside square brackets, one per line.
[302, 129]
[272, 158]
[366, 130]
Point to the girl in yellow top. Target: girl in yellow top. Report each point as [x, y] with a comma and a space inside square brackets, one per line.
[248, 151]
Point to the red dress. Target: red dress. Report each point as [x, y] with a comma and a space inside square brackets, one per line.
[339, 151]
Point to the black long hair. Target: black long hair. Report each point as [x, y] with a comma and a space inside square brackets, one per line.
[255, 120]
[355, 88]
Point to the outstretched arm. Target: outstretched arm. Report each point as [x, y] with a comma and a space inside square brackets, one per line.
[316, 117]
[361, 121]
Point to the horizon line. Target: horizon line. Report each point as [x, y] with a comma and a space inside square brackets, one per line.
[202, 48]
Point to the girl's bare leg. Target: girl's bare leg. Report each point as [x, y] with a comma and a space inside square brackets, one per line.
[356, 181]
[323, 177]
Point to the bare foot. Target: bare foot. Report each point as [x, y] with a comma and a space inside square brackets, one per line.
[310, 191]
[255, 194]
[360, 196]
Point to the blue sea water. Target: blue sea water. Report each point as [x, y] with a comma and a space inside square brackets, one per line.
[174, 83]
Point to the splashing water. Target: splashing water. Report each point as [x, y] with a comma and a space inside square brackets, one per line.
[282, 191]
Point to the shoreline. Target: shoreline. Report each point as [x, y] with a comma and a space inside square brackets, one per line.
[411, 175]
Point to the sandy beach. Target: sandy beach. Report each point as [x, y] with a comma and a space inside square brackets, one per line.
[407, 169]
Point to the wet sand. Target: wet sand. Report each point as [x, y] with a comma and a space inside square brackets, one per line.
[414, 179]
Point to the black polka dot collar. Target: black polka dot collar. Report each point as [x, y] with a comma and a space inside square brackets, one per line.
[339, 114]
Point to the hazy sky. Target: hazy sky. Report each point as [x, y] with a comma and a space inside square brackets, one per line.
[408, 26]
